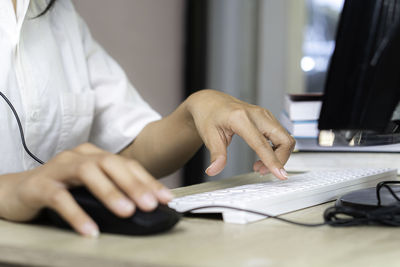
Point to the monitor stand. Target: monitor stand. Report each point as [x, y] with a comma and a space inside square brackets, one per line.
[351, 138]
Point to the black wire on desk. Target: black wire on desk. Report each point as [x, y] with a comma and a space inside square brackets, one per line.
[21, 131]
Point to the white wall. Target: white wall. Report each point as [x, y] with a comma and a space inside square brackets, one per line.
[146, 38]
[232, 68]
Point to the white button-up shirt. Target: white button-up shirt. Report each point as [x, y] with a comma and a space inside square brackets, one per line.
[66, 89]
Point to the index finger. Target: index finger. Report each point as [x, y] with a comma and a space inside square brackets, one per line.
[259, 143]
[282, 141]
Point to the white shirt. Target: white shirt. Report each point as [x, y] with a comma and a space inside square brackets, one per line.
[66, 89]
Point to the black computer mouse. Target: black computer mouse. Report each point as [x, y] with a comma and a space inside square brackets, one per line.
[161, 219]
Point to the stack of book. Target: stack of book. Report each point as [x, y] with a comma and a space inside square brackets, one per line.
[300, 118]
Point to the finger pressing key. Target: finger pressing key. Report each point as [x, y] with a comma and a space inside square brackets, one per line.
[257, 141]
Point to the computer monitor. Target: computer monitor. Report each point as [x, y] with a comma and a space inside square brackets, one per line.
[362, 90]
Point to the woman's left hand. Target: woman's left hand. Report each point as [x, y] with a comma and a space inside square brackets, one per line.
[218, 116]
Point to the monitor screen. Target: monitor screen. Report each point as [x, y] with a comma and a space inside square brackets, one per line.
[362, 90]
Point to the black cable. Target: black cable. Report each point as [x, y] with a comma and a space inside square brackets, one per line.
[21, 131]
[385, 184]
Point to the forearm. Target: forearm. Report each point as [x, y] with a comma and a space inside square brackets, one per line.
[162, 147]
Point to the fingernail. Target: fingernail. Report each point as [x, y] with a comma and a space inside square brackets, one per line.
[149, 200]
[124, 205]
[165, 194]
[284, 173]
[90, 229]
[210, 167]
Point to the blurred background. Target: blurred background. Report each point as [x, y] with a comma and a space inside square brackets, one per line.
[255, 50]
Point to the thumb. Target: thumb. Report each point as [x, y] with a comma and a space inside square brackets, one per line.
[218, 152]
[216, 165]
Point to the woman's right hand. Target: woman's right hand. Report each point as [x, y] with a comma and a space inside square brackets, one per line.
[121, 184]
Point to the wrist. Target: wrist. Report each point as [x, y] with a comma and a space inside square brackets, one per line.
[186, 110]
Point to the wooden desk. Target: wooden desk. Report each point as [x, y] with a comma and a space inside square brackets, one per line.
[206, 242]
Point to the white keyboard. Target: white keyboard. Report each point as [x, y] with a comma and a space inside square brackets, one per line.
[277, 197]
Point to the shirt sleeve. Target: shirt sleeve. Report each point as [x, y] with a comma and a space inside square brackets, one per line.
[120, 112]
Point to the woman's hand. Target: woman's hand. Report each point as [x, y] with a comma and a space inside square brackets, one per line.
[218, 117]
[121, 184]
[212, 118]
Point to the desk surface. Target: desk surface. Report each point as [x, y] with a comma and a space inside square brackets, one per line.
[207, 242]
